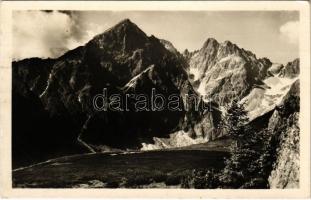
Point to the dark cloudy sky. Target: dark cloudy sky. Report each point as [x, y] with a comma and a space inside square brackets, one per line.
[272, 34]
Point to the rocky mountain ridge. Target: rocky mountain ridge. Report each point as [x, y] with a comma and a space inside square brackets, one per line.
[125, 60]
[223, 71]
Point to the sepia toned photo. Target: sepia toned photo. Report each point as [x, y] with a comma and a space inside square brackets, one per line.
[140, 99]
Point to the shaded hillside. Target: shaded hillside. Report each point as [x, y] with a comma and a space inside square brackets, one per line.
[124, 60]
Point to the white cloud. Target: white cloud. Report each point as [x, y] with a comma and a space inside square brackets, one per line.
[290, 31]
[48, 34]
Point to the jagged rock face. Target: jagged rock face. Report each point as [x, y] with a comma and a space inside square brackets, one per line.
[284, 124]
[223, 71]
[31, 74]
[169, 46]
[125, 51]
[187, 55]
[65, 81]
[34, 130]
[289, 105]
[291, 70]
[146, 66]
[264, 98]
[275, 68]
[109, 60]
[286, 172]
[125, 61]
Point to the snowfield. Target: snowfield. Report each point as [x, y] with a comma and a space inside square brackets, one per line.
[261, 100]
[177, 139]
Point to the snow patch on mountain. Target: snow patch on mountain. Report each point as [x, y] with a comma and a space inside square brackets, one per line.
[231, 58]
[134, 80]
[201, 88]
[195, 72]
[177, 139]
[47, 86]
[275, 68]
[169, 46]
[263, 99]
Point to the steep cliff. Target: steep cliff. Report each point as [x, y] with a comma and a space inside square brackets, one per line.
[284, 124]
[223, 71]
[290, 70]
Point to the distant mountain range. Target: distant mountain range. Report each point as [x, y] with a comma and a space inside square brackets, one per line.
[53, 111]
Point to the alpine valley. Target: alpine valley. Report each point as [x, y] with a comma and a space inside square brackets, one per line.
[60, 140]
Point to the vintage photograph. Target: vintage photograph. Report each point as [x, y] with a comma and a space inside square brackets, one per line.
[171, 99]
[155, 99]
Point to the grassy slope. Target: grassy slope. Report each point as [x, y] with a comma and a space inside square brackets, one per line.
[123, 170]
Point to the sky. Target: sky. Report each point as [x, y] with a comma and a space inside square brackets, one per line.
[271, 34]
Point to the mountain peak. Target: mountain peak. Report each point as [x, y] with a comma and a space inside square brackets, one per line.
[125, 35]
[126, 25]
[211, 40]
[228, 48]
[227, 43]
[210, 43]
[291, 69]
[126, 22]
[296, 61]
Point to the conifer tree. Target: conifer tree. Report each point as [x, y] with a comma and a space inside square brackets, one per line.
[240, 166]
